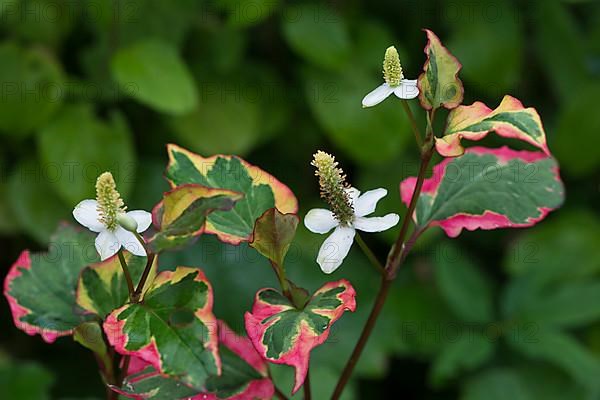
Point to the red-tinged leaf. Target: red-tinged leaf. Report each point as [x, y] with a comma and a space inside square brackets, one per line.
[102, 286]
[439, 84]
[40, 287]
[181, 216]
[244, 377]
[173, 329]
[284, 334]
[261, 190]
[510, 120]
[273, 234]
[487, 189]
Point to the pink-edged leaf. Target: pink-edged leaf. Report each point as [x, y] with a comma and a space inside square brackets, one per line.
[244, 376]
[261, 190]
[181, 216]
[510, 120]
[487, 189]
[173, 329]
[439, 84]
[40, 287]
[284, 334]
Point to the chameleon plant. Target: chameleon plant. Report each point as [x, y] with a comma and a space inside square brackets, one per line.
[152, 327]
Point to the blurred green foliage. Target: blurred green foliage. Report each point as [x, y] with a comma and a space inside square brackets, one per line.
[93, 85]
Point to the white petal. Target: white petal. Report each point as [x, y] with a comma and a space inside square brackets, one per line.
[407, 89]
[367, 202]
[335, 248]
[377, 96]
[107, 244]
[319, 220]
[376, 224]
[143, 219]
[86, 213]
[130, 242]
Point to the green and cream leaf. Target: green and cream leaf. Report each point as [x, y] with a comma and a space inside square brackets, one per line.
[261, 190]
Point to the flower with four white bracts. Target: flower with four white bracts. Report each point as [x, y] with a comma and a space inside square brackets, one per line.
[405, 89]
[107, 216]
[336, 247]
[349, 210]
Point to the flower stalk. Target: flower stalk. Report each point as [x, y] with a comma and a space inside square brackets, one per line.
[394, 261]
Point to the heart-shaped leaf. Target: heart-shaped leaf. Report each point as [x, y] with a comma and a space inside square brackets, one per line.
[245, 376]
[439, 84]
[152, 72]
[510, 120]
[487, 189]
[40, 287]
[261, 190]
[173, 329]
[180, 217]
[102, 287]
[284, 334]
[273, 234]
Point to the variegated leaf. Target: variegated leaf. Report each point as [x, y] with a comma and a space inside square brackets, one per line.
[439, 84]
[487, 189]
[173, 329]
[244, 376]
[510, 120]
[284, 334]
[102, 287]
[40, 287]
[181, 216]
[261, 190]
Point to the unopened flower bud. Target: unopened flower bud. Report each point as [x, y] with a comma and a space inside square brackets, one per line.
[127, 223]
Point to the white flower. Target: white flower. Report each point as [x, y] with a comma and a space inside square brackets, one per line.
[109, 241]
[394, 82]
[337, 245]
[106, 215]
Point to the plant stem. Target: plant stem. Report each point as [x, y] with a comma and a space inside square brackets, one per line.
[369, 253]
[124, 367]
[307, 391]
[283, 283]
[126, 273]
[137, 294]
[413, 122]
[364, 337]
[395, 258]
[393, 261]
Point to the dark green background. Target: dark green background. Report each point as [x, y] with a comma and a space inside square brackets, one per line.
[101, 84]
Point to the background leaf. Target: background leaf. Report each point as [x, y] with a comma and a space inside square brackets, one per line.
[463, 286]
[32, 88]
[305, 26]
[561, 350]
[140, 70]
[80, 158]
